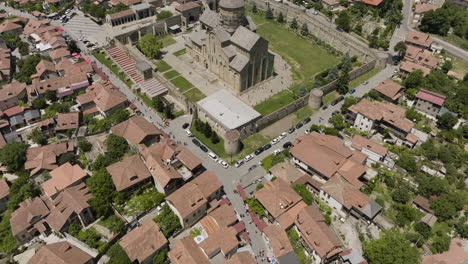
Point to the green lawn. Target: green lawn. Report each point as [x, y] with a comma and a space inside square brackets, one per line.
[194, 95]
[327, 99]
[303, 113]
[216, 148]
[167, 40]
[250, 144]
[182, 83]
[180, 52]
[275, 102]
[171, 74]
[163, 66]
[102, 58]
[366, 76]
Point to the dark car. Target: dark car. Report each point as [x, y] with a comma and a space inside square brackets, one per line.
[259, 150]
[196, 142]
[307, 120]
[324, 107]
[287, 145]
[335, 112]
[352, 91]
[337, 100]
[253, 167]
[299, 125]
[185, 125]
[267, 146]
[205, 149]
[291, 130]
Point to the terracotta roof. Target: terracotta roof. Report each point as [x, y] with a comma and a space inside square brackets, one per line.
[421, 56]
[59, 53]
[67, 121]
[385, 111]
[277, 197]
[316, 233]
[224, 240]
[432, 97]
[307, 179]
[128, 172]
[186, 251]
[243, 257]
[104, 95]
[223, 216]
[60, 253]
[412, 138]
[372, 2]
[8, 25]
[135, 129]
[143, 241]
[187, 6]
[423, 203]
[29, 212]
[208, 183]
[44, 66]
[62, 177]
[287, 220]
[278, 240]
[390, 89]
[457, 254]
[14, 111]
[419, 38]
[287, 172]
[45, 157]
[360, 142]
[424, 8]
[121, 14]
[409, 66]
[4, 188]
[12, 90]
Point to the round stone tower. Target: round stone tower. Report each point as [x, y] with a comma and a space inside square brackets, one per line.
[315, 98]
[232, 14]
[232, 142]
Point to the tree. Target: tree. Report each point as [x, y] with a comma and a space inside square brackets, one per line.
[407, 162]
[280, 18]
[72, 47]
[338, 121]
[294, 24]
[38, 137]
[168, 112]
[423, 229]
[441, 243]
[348, 101]
[160, 257]
[117, 255]
[39, 103]
[302, 91]
[103, 190]
[165, 14]
[158, 104]
[448, 205]
[391, 248]
[342, 85]
[437, 22]
[413, 115]
[167, 221]
[115, 224]
[447, 66]
[447, 121]
[116, 146]
[13, 155]
[302, 190]
[401, 195]
[343, 21]
[254, 8]
[414, 79]
[331, 131]
[150, 45]
[214, 138]
[333, 73]
[269, 13]
[84, 145]
[400, 47]
[20, 190]
[304, 30]
[51, 95]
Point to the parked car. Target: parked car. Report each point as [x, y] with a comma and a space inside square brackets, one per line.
[203, 148]
[223, 163]
[248, 157]
[291, 130]
[196, 142]
[352, 91]
[267, 146]
[189, 133]
[185, 125]
[283, 135]
[365, 82]
[287, 144]
[258, 151]
[324, 107]
[337, 100]
[213, 156]
[253, 167]
[274, 141]
[277, 151]
[239, 163]
[307, 131]
[299, 125]
[335, 112]
[307, 120]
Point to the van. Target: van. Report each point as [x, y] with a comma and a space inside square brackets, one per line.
[213, 156]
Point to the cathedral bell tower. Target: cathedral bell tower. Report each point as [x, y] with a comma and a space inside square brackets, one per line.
[232, 14]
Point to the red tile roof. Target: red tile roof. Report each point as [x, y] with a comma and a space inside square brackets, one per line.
[432, 97]
[419, 38]
[187, 6]
[372, 2]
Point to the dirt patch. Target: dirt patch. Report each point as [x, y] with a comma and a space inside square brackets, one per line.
[278, 127]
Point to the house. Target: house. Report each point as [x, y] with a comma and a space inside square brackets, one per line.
[419, 39]
[143, 242]
[137, 130]
[457, 254]
[186, 251]
[191, 201]
[4, 193]
[67, 121]
[287, 172]
[102, 97]
[47, 126]
[243, 257]
[62, 177]
[325, 156]
[190, 12]
[390, 91]
[170, 164]
[278, 245]
[409, 66]
[429, 102]
[317, 236]
[45, 157]
[11, 93]
[374, 151]
[61, 252]
[346, 199]
[374, 115]
[424, 206]
[45, 70]
[11, 26]
[421, 56]
[129, 174]
[421, 9]
[31, 116]
[26, 221]
[59, 54]
[372, 2]
[5, 64]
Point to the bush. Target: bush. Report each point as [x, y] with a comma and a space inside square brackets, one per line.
[302, 190]
[423, 229]
[164, 15]
[114, 223]
[85, 145]
[167, 221]
[160, 257]
[117, 255]
[116, 146]
[255, 206]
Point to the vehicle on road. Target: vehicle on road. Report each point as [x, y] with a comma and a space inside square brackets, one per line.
[287, 144]
[185, 125]
[365, 82]
[239, 163]
[299, 125]
[291, 130]
[267, 146]
[213, 156]
[283, 135]
[258, 151]
[223, 163]
[324, 107]
[307, 131]
[274, 141]
[277, 151]
[335, 112]
[203, 148]
[189, 133]
[307, 120]
[196, 142]
[337, 100]
[352, 91]
[253, 167]
[248, 158]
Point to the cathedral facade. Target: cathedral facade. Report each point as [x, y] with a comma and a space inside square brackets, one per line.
[227, 45]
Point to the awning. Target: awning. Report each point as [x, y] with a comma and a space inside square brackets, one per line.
[175, 27]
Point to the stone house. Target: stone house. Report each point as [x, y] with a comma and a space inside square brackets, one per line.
[429, 102]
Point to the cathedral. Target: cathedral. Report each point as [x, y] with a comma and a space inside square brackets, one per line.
[227, 45]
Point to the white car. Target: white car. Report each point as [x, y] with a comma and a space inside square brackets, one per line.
[213, 156]
[307, 131]
[189, 133]
[277, 151]
[283, 135]
[274, 141]
[223, 163]
[248, 157]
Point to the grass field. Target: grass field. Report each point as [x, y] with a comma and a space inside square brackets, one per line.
[181, 83]
[359, 80]
[275, 102]
[180, 52]
[171, 74]
[327, 99]
[167, 40]
[101, 57]
[163, 66]
[194, 95]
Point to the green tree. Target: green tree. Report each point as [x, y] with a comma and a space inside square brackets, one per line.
[447, 121]
[39, 103]
[348, 101]
[100, 184]
[38, 137]
[414, 79]
[20, 190]
[115, 224]
[84, 145]
[343, 21]
[150, 45]
[116, 146]
[447, 66]
[304, 30]
[342, 85]
[117, 255]
[306, 195]
[448, 205]
[73, 47]
[158, 104]
[280, 18]
[441, 243]
[407, 162]
[400, 47]
[254, 8]
[401, 195]
[406, 214]
[269, 13]
[413, 115]
[437, 22]
[165, 14]
[391, 248]
[423, 229]
[338, 121]
[51, 95]
[168, 112]
[167, 221]
[13, 155]
[160, 257]
[214, 138]
[294, 24]
[333, 73]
